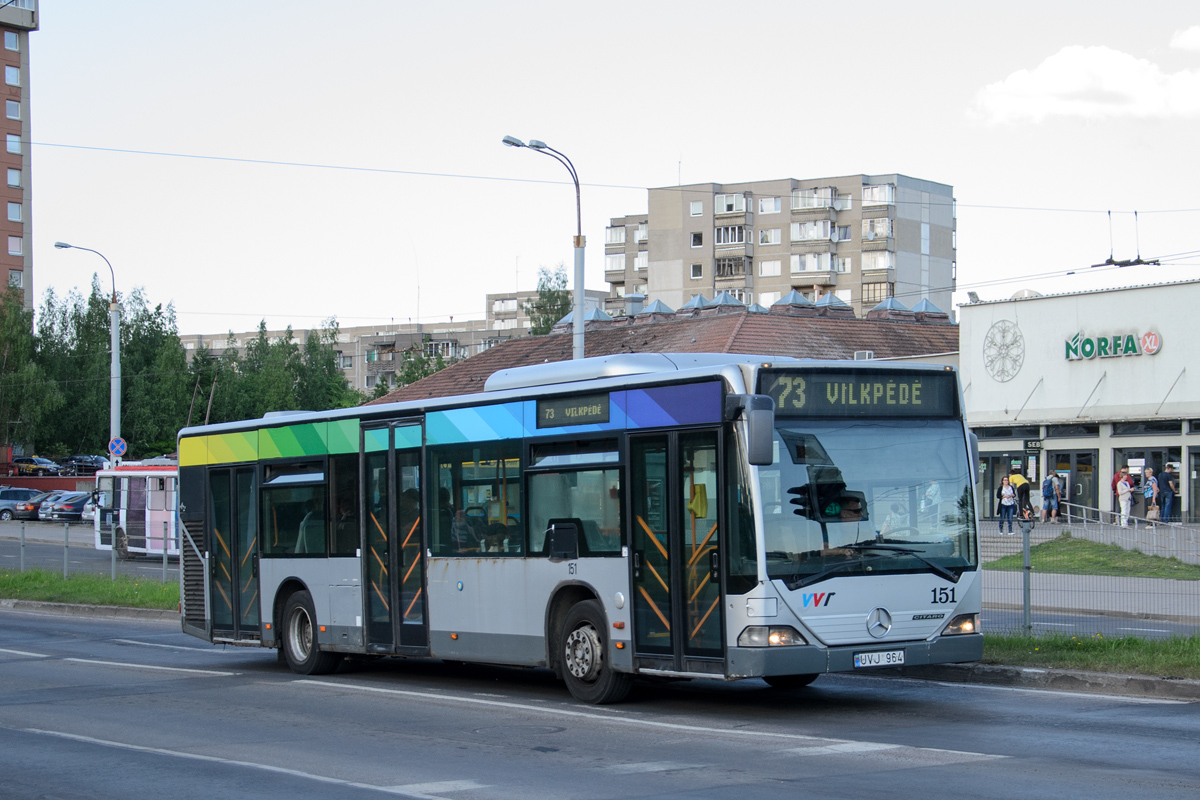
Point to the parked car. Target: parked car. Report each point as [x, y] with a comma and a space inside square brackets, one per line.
[47, 505]
[10, 497]
[28, 509]
[33, 465]
[83, 465]
[69, 506]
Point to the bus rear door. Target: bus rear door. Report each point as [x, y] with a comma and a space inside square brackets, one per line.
[394, 556]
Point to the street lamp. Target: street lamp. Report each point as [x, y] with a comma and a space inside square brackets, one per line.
[577, 305]
[114, 317]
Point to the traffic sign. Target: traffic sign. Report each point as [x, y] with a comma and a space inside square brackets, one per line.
[117, 447]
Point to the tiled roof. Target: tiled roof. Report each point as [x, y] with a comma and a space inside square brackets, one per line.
[747, 333]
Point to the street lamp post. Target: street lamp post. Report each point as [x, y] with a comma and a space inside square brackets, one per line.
[577, 304]
[114, 322]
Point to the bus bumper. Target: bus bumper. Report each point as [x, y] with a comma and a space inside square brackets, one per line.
[750, 662]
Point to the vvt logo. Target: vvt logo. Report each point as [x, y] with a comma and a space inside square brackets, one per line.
[817, 599]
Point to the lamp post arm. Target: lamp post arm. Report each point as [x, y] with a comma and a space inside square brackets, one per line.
[566, 162]
[111, 272]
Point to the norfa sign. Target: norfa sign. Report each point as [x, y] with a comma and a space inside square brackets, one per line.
[1081, 347]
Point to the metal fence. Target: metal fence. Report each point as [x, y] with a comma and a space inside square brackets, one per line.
[71, 549]
[1052, 577]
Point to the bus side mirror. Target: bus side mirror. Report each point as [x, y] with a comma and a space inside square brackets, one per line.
[759, 411]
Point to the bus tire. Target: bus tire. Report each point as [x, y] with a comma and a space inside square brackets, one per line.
[300, 648]
[789, 681]
[585, 668]
[121, 543]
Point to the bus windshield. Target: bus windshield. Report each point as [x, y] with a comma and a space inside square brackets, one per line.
[867, 496]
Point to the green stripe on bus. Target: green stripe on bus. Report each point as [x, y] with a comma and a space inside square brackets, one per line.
[228, 448]
[343, 436]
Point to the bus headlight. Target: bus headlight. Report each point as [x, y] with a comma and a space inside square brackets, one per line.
[762, 636]
[963, 623]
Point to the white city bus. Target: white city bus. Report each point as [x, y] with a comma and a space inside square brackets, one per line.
[668, 515]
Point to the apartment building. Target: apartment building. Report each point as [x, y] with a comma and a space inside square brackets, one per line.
[863, 238]
[369, 354]
[17, 19]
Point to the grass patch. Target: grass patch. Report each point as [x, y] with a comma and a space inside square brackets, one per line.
[1067, 555]
[1177, 657]
[96, 590]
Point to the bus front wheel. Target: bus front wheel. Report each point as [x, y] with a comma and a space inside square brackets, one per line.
[300, 647]
[585, 666]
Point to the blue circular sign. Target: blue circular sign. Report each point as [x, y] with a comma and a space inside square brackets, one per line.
[117, 447]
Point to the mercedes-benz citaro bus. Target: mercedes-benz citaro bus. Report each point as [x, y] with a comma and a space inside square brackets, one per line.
[677, 516]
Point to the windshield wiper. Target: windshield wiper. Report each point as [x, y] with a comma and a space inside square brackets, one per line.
[798, 582]
[907, 551]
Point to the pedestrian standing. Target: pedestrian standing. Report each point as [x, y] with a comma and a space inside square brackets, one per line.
[1150, 491]
[1167, 491]
[1007, 496]
[1125, 496]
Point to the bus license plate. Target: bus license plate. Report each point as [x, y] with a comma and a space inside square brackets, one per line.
[887, 658]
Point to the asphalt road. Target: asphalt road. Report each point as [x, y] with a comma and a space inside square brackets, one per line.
[101, 708]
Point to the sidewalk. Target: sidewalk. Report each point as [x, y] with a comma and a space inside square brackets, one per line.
[80, 535]
[1159, 598]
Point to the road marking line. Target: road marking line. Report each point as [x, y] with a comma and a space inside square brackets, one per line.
[148, 666]
[649, 766]
[1145, 630]
[623, 719]
[170, 646]
[1079, 695]
[431, 790]
[849, 747]
[248, 764]
[23, 653]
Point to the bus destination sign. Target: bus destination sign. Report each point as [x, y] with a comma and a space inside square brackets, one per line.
[861, 393]
[559, 412]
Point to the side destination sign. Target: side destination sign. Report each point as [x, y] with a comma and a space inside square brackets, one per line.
[557, 412]
[861, 393]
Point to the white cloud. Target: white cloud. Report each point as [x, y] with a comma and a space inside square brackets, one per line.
[1091, 83]
[1187, 39]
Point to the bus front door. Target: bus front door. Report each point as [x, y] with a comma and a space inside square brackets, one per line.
[676, 551]
[394, 558]
[233, 553]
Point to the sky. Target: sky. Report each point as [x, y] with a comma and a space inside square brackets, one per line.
[295, 161]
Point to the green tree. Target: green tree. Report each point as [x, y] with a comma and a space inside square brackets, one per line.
[28, 399]
[553, 301]
[320, 383]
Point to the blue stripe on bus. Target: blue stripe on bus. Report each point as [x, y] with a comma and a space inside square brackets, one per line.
[628, 409]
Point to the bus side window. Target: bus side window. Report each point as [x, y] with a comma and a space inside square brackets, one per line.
[591, 496]
[475, 500]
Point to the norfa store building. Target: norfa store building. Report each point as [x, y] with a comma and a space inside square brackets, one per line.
[1083, 383]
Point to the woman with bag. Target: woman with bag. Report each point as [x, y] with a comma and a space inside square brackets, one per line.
[1150, 489]
[1008, 503]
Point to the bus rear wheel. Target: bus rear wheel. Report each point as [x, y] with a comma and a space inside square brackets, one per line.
[789, 681]
[585, 667]
[300, 647]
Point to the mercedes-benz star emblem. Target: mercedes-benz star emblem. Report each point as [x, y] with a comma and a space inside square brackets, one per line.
[879, 622]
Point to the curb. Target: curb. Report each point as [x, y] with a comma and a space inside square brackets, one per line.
[1062, 680]
[81, 610]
